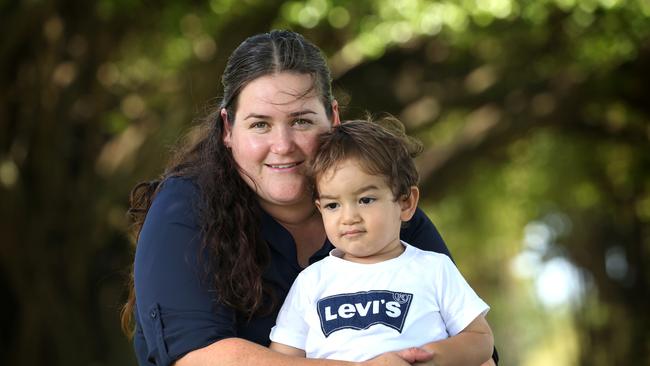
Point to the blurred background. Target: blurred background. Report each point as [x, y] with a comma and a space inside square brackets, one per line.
[535, 116]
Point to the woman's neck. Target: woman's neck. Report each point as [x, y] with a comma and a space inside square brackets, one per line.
[304, 223]
[291, 215]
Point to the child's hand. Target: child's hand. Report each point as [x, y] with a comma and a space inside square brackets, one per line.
[405, 357]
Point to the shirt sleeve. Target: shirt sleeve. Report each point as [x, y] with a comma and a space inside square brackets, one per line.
[176, 308]
[291, 326]
[421, 233]
[459, 304]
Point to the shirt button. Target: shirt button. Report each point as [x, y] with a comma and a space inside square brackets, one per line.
[153, 314]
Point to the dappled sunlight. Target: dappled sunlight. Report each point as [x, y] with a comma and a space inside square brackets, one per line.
[535, 170]
[8, 173]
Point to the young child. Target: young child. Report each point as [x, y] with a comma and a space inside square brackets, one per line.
[374, 293]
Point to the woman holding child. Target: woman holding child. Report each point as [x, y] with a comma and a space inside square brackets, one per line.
[232, 222]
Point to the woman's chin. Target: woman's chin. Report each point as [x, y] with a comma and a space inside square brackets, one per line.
[287, 197]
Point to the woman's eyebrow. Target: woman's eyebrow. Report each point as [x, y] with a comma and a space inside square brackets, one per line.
[301, 113]
[254, 115]
[292, 114]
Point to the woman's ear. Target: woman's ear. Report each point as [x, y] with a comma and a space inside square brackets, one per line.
[226, 127]
[336, 119]
[409, 204]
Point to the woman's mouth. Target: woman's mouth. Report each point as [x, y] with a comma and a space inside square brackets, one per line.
[283, 166]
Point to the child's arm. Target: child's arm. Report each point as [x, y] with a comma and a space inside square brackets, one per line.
[287, 350]
[402, 358]
[472, 346]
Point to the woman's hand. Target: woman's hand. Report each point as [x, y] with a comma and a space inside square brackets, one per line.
[404, 357]
[430, 362]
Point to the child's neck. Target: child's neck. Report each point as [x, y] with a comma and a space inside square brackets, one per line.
[394, 252]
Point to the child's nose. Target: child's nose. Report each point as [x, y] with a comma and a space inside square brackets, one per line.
[350, 214]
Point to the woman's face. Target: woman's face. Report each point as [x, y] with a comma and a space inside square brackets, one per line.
[275, 134]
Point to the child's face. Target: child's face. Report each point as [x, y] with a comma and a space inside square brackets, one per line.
[360, 213]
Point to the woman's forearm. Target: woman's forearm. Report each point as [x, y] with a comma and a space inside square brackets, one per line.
[237, 351]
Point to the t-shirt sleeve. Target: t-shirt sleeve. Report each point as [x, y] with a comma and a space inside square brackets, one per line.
[291, 326]
[176, 308]
[459, 304]
[421, 233]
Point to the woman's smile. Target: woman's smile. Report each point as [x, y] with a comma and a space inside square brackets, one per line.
[283, 166]
[274, 133]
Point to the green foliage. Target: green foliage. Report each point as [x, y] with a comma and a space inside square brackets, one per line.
[534, 115]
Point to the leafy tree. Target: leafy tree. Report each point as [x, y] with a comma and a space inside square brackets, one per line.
[534, 114]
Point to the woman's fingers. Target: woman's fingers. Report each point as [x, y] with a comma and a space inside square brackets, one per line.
[405, 357]
[387, 359]
[415, 354]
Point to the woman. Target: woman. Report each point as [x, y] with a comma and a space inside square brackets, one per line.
[231, 223]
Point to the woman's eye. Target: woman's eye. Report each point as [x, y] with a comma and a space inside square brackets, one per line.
[259, 125]
[302, 122]
[366, 200]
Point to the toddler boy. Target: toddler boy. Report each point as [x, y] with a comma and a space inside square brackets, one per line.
[375, 293]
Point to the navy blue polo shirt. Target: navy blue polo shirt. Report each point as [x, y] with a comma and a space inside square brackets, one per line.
[177, 310]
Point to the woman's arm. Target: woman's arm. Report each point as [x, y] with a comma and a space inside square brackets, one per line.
[472, 346]
[239, 352]
[287, 350]
[176, 310]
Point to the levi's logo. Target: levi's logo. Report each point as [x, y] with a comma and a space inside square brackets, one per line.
[360, 310]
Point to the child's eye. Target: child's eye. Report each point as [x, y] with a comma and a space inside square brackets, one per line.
[331, 206]
[366, 200]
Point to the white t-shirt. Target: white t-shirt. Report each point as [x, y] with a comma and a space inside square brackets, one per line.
[350, 311]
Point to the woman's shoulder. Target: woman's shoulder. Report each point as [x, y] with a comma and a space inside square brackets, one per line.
[176, 201]
[179, 186]
[170, 234]
[420, 232]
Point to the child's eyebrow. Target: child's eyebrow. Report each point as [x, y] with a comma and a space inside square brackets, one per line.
[369, 187]
[326, 196]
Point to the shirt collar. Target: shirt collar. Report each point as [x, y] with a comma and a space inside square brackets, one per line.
[281, 241]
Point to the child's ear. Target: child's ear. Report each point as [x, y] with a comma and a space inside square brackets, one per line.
[409, 204]
[317, 202]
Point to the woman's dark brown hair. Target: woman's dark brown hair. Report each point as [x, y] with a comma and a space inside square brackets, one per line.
[228, 208]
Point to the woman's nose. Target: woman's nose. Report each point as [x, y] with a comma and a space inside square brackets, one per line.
[283, 141]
